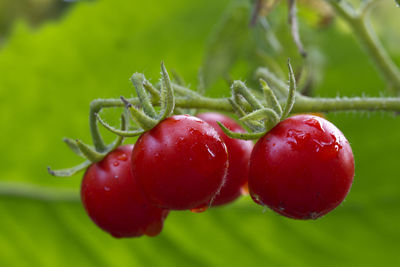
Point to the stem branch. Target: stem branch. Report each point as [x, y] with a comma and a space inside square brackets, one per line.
[308, 104]
[95, 107]
[21, 190]
[303, 104]
[368, 39]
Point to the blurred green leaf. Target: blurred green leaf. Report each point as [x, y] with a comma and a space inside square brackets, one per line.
[226, 42]
[48, 78]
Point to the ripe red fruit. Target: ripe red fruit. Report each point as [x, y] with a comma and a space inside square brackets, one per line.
[181, 163]
[114, 201]
[303, 168]
[239, 152]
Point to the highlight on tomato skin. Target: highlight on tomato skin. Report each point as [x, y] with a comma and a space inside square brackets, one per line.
[303, 168]
[114, 201]
[239, 152]
[181, 163]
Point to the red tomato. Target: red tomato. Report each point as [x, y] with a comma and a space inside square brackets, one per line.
[114, 201]
[239, 156]
[181, 163]
[303, 168]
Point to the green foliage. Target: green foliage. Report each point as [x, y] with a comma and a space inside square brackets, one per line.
[226, 42]
[48, 78]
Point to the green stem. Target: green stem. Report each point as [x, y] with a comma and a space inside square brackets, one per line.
[181, 90]
[303, 104]
[368, 39]
[308, 104]
[95, 107]
[20, 190]
[51, 194]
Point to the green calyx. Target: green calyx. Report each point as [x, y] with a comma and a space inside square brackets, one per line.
[141, 111]
[146, 117]
[266, 114]
[89, 153]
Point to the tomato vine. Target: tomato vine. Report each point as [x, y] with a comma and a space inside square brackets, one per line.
[261, 110]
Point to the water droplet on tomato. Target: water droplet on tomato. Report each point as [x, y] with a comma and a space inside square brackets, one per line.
[116, 163]
[257, 199]
[210, 152]
[106, 188]
[154, 228]
[314, 122]
[122, 157]
[116, 177]
[328, 149]
[199, 209]
[297, 139]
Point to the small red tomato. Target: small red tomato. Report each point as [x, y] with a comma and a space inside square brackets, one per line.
[181, 163]
[239, 152]
[114, 201]
[303, 168]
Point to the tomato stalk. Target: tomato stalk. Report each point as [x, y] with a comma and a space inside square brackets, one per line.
[294, 27]
[98, 142]
[303, 104]
[357, 20]
[36, 192]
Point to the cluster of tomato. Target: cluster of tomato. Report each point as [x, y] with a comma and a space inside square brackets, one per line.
[303, 168]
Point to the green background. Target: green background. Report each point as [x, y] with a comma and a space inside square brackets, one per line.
[49, 75]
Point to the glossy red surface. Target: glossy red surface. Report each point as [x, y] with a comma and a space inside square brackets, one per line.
[181, 163]
[114, 201]
[303, 168]
[239, 152]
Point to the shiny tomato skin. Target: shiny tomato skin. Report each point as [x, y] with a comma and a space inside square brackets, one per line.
[113, 200]
[239, 152]
[181, 163]
[303, 168]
